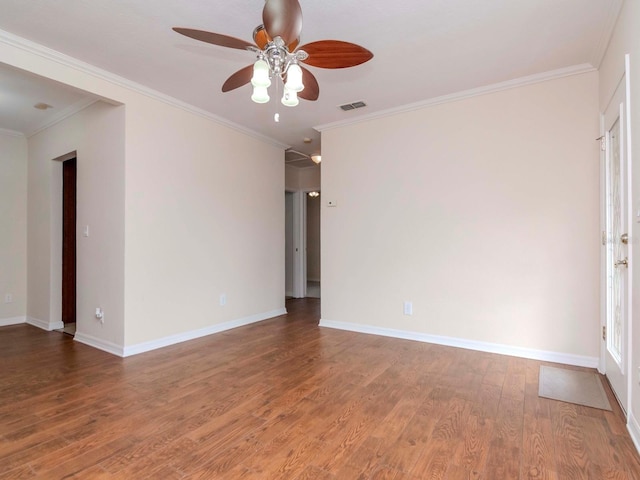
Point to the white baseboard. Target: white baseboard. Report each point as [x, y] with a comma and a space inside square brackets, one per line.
[5, 322]
[43, 324]
[634, 430]
[202, 332]
[100, 344]
[557, 357]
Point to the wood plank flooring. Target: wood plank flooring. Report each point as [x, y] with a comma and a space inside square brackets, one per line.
[284, 399]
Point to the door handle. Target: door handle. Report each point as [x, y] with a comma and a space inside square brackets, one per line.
[624, 262]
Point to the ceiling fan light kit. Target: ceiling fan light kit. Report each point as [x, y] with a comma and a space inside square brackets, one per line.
[260, 94]
[289, 98]
[278, 56]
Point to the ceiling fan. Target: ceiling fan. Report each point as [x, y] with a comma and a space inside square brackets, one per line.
[279, 54]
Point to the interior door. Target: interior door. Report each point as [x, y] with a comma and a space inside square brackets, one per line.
[617, 253]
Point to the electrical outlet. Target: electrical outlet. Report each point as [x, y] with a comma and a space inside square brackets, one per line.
[8, 298]
[408, 308]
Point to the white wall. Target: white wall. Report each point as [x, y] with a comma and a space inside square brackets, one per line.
[13, 228]
[625, 41]
[291, 178]
[203, 213]
[204, 217]
[302, 178]
[96, 134]
[483, 212]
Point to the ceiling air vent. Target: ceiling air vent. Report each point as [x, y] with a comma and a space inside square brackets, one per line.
[352, 106]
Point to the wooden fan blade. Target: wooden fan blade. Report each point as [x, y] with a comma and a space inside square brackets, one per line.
[282, 18]
[335, 54]
[261, 37]
[238, 79]
[293, 45]
[214, 38]
[311, 88]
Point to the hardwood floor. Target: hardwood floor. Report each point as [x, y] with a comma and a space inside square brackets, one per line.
[284, 399]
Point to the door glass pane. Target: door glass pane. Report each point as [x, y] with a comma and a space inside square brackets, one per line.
[615, 250]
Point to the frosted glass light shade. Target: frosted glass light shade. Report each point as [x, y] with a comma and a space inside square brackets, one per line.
[294, 78]
[260, 95]
[290, 98]
[316, 158]
[260, 74]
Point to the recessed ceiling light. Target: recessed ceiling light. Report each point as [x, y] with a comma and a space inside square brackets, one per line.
[42, 106]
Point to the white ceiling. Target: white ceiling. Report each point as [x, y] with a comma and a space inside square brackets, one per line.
[20, 91]
[422, 50]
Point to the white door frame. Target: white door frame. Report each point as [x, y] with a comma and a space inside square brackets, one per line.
[635, 214]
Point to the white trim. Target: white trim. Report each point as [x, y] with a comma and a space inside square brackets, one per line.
[43, 324]
[10, 133]
[64, 114]
[474, 92]
[607, 32]
[557, 357]
[634, 430]
[100, 344]
[202, 332]
[602, 366]
[5, 322]
[86, 68]
[630, 249]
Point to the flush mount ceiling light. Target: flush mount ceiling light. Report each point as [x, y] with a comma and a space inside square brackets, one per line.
[316, 158]
[278, 55]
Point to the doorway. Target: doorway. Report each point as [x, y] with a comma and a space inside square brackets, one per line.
[313, 244]
[288, 244]
[295, 244]
[69, 196]
[617, 201]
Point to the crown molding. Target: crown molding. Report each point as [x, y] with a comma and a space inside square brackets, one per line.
[607, 32]
[10, 133]
[474, 92]
[66, 113]
[86, 68]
